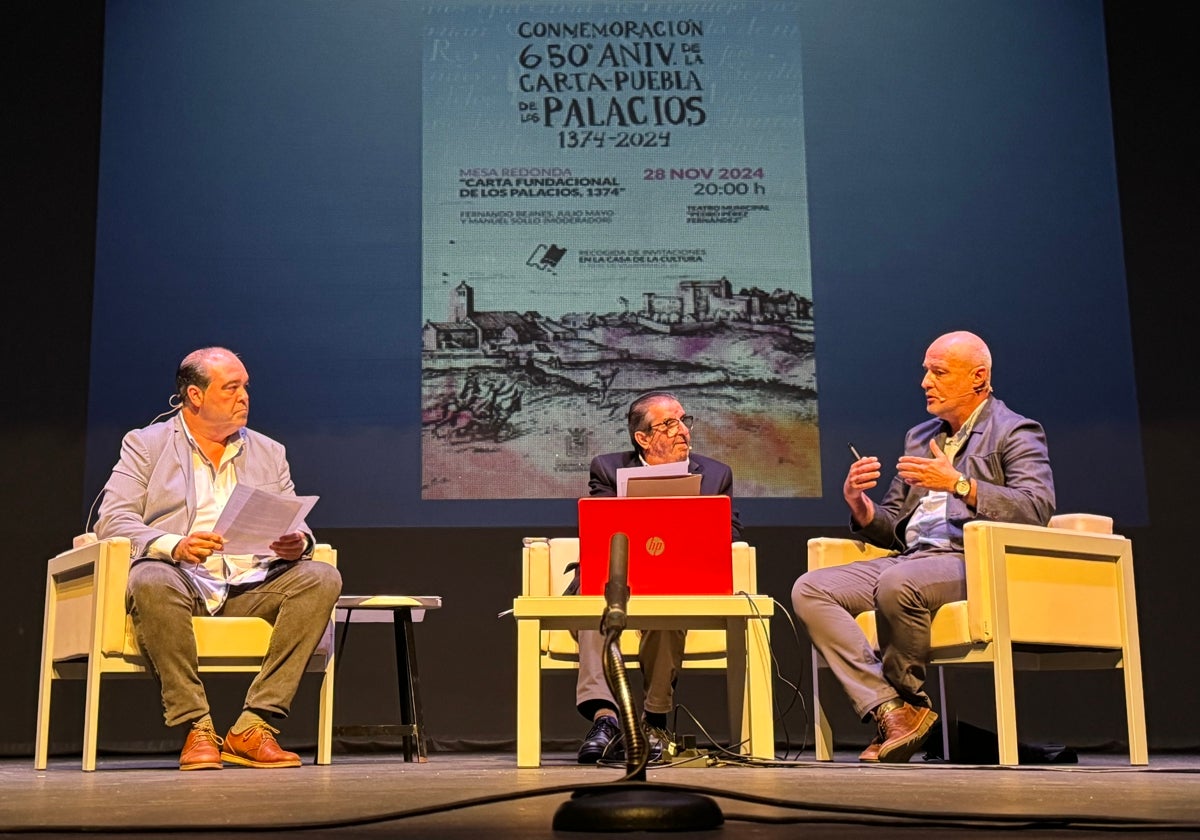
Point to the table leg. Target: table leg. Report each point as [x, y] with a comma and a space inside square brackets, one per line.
[529, 693]
[737, 694]
[409, 686]
[759, 701]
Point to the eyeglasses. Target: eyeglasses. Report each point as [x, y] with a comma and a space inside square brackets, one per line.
[670, 427]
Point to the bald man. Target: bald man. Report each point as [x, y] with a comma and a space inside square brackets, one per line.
[976, 459]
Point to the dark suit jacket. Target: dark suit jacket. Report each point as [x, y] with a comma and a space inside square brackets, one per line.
[716, 478]
[1005, 454]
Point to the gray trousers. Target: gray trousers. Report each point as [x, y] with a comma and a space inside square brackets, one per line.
[660, 655]
[296, 598]
[904, 590]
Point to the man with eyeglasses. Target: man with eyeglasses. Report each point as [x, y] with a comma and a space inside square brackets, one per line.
[661, 433]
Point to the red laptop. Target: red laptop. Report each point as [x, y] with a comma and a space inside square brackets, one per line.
[678, 545]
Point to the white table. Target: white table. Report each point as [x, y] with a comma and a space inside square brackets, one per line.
[744, 618]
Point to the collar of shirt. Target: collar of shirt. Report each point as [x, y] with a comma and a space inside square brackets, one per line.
[687, 461]
[959, 439]
[213, 485]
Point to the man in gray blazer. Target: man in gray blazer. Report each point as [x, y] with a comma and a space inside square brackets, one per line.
[165, 494]
[976, 460]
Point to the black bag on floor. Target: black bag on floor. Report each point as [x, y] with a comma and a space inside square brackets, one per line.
[976, 745]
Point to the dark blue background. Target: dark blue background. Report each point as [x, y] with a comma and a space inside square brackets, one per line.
[260, 187]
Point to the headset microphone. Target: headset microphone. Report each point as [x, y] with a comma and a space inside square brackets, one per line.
[175, 402]
[87, 522]
[982, 389]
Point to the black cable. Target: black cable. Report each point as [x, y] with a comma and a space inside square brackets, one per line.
[174, 407]
[852, 814]
[797, 694]
[734, 756]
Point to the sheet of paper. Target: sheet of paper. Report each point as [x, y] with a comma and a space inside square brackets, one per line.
[254, 518]
[626, 473]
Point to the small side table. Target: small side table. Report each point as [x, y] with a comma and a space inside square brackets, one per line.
[404, 611]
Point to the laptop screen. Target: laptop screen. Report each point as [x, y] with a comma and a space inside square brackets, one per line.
[678, 545]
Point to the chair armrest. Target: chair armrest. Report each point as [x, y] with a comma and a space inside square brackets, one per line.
[92, 576]
[564, 553]
[544, 564]
[535, 566]
[70, 598]
[325, 553]
[996, 549]
[83, 539]
[825, 552]
[75, 562]
[745, 568]
[1092, 522]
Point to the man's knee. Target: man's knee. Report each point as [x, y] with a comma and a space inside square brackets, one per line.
[151, 576]
[805, 595]
[318, 576]
[897, 593]
[329, 576]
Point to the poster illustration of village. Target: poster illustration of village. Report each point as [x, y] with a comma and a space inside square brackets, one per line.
[614, 201]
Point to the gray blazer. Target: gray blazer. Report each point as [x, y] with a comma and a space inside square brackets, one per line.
[152, 491]
[1005, 454]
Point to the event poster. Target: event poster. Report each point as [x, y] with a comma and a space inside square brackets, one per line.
[613, 202]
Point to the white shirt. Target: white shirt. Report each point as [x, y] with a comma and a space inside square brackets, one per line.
[927, 527]
[218, 572]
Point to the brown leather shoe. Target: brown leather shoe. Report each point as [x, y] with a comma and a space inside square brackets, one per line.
[903, 731]
[871, 753]
[201, 750]
[257, 747]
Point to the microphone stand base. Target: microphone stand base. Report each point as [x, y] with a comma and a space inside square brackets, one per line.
[636, 808]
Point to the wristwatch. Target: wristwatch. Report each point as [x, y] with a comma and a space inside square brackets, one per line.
[962, 487]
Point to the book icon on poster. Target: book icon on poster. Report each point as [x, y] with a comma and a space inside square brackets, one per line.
[546, 257]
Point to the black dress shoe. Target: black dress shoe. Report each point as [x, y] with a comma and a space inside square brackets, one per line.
[603, 731]
[659, 741]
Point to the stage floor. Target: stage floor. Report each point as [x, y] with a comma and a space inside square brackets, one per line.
[484, 795]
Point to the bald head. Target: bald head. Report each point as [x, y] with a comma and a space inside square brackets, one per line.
[958, 376]
[964, 346]
[195, 369]
[213, 383]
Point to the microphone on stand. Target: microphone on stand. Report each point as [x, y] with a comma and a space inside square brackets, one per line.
[630, 805]
[616, 590]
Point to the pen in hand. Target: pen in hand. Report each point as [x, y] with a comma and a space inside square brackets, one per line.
[854, 452]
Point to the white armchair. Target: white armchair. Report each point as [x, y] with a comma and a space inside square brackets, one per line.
[1060, 597]
[87, 634]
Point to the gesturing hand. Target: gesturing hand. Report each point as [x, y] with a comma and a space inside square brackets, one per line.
[936, 473]
[863, 475]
